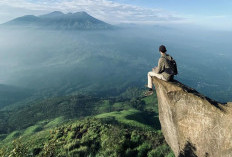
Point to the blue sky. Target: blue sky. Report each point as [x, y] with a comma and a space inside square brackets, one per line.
[210, 14]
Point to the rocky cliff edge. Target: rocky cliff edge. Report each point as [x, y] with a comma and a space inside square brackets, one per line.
[193, 125]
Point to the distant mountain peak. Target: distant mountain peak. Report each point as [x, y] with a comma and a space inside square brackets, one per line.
[57, 12]
[84, 13]
[53, 14]
[58, 20]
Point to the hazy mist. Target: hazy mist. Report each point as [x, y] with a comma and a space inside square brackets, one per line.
[68, 61]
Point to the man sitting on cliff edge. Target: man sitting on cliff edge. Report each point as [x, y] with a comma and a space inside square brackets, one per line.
[165, 71]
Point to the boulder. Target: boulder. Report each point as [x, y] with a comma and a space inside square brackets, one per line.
[193, 125]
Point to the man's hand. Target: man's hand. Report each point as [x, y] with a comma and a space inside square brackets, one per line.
[153, 69]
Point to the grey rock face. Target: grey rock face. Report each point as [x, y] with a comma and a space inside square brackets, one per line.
[193, 125]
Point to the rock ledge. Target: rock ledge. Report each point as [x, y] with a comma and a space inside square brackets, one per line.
[193, 125]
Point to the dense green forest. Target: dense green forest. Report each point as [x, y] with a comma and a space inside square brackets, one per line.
[80, 125]
[90, 137]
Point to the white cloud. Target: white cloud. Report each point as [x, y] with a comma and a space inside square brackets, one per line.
[106, 10]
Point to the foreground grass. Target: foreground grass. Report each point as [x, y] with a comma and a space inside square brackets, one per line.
[118, 128]
[38, 130]
[131, 118]
[90, 137]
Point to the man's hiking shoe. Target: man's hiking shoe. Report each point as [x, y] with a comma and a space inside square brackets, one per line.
[148, 93]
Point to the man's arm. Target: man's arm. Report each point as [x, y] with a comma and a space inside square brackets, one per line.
[159, 68]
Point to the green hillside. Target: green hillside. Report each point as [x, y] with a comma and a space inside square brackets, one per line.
[80, 125]
[105, 136]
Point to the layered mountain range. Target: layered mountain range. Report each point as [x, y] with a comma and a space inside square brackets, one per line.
[59, 20]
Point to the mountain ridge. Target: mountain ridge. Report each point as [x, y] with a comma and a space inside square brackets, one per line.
[59, 20]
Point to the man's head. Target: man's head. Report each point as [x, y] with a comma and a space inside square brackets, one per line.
[162, 49]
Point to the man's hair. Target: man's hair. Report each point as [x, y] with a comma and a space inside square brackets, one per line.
[162, 48]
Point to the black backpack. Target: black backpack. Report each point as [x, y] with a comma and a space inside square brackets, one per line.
[173, 65]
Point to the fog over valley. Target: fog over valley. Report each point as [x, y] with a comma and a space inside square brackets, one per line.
[81, 60]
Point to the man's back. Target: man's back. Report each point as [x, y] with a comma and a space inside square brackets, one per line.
[165, 67]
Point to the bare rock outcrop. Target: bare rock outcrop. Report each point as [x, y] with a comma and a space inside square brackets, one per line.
[193, 125]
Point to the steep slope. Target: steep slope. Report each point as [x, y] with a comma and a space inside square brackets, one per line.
[17, 117]
[89, 137]
[59, 20]
[85, 126]
[193, 125]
